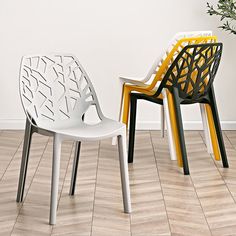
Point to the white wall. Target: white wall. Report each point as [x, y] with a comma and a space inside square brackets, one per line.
[110, 38]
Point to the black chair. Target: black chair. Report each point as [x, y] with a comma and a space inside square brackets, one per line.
[190, 80]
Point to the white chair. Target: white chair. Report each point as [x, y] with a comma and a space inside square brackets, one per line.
[142, 82]
[56, 93]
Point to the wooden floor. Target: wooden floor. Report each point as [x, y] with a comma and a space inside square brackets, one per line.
[164, 201]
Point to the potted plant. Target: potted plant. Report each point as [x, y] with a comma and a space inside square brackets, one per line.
[226, 10]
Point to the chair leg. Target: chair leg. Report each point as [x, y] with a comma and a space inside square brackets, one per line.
[170, 135]
[24, 160]
[174, 127]
[124, 172]
[218, 128]
[126, 105]
[121, 103]
[55, 178]
[133, 101]
[114, 139]
[162, 122]
[180, 131]
[75, 168]
[212, 129]
[206, 129]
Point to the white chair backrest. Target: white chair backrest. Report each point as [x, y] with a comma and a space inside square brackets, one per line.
[171, 44]
[55, 90]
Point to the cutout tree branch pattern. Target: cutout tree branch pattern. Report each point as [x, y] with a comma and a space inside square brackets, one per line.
[55, 88]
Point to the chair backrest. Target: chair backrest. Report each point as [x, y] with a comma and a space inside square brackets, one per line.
[193, 70]
[156, 65]
[55, 89]
[174, 53]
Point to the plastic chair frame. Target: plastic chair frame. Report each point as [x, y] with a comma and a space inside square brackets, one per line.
[56, 93]
[177, 80]
[151, 89]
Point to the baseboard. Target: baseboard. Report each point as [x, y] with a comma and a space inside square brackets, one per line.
[19, 124]
[12, 124]
[188, 125]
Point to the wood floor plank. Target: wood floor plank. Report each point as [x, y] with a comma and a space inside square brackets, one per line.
[184, 209]
[74, 216]
[108, 215]
[149, 215]
[212, 190]
[36, 205]
[164, 201]
[9, 144]
[9, 209]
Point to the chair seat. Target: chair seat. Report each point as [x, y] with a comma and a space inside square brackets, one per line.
[83, 131]
[133, 81]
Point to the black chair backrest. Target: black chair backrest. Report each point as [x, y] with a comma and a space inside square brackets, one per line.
[193, 70]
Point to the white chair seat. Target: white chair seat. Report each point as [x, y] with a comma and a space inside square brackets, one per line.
[89, 132]
[133, 81]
